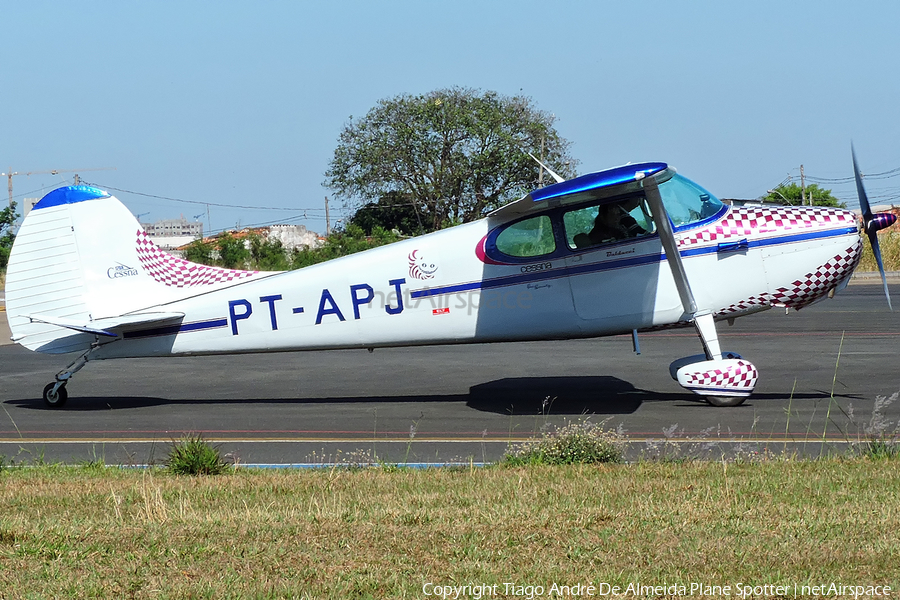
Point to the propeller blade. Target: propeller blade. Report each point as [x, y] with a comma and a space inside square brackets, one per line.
[860, 190]
[876, 250]
[871, 224]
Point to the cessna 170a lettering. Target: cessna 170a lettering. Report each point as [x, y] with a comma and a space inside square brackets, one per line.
[629, 249]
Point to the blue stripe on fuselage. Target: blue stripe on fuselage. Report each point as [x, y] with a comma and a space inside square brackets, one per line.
[617, 264]
[174, 329]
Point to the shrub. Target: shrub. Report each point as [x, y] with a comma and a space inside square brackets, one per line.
[192, 455]
[575, 443]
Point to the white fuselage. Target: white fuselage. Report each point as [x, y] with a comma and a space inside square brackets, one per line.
[440, 289]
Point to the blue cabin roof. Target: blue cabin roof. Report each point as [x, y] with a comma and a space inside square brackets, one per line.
[602, 179]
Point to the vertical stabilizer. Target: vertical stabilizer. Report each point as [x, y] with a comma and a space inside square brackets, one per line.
[80, 256]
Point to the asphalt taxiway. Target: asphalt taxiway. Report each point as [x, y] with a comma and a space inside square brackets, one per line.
[821, 369]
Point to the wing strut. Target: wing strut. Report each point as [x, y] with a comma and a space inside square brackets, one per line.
[703, 320]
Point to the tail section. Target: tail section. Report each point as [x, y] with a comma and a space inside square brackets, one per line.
[81, 262]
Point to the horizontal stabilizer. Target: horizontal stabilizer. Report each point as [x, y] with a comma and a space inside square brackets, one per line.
[109, 326]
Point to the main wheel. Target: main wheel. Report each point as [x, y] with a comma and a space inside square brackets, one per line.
[57, 398]
[725, 400]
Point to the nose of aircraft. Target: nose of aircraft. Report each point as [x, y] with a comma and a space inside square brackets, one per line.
[824, 246]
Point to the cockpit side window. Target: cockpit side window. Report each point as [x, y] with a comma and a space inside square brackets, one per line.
[686, 202]
[607, 223]
[530, 237]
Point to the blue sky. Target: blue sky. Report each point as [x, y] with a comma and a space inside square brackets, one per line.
[242, 103]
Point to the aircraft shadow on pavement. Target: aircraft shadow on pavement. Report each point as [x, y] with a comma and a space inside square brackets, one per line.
[573, 395]
[587, 394]
[559, 395]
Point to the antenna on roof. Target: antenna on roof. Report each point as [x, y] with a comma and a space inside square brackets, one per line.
[549, 170]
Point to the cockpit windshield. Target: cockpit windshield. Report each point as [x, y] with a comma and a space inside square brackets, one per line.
[686, 202]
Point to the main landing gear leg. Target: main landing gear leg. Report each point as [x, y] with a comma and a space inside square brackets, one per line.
[55, 394]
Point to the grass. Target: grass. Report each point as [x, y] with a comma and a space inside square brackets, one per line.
[373, 533]
[889, 242]
[192, 455]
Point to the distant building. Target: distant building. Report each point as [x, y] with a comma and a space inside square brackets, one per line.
[169, 234]
[292, 236]
[27, 205]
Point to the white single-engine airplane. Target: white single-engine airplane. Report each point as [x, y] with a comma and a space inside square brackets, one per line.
[629, 249]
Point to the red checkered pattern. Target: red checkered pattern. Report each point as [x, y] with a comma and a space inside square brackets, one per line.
[743, 221]
[739, 376]
[175, 272]
[815, 285]
[807, 290]
[761, 300]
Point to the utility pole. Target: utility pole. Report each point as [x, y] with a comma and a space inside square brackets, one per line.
[327, 219]
[802, 187]
[541, 170]
[10, 174]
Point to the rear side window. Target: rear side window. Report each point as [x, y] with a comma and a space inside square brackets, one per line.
[531, 237]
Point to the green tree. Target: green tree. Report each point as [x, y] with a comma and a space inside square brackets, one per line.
[350, 240]
[200, 252]
[8, 218]
[394, 211]
[268, 255]
[233, 254]
[793, 194]
[455, 153]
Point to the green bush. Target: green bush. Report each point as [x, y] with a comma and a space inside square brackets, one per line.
[576, 443]
[193, 455]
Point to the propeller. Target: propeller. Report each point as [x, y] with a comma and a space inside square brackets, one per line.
[872, 223]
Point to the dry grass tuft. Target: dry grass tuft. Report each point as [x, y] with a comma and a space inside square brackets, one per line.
[889, 242]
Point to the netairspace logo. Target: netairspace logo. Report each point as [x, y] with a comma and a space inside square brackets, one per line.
[477, 591]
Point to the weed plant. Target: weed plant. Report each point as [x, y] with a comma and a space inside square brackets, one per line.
[880, 437]
[193, 455]
[889, 242]
[574, 443]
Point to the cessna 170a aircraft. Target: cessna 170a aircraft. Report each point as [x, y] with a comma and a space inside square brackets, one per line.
[629, 249]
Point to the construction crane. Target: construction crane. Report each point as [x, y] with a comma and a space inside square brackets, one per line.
[9, 175]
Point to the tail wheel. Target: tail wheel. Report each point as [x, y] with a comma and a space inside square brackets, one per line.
[55, 398]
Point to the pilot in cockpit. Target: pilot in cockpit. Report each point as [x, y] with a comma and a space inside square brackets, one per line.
[612, 223]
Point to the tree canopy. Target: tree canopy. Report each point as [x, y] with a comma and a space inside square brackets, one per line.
[792, 193]
[7, 220]
[452, 154]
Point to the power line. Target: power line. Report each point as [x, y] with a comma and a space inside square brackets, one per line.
[319, 211]
[216, 204]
